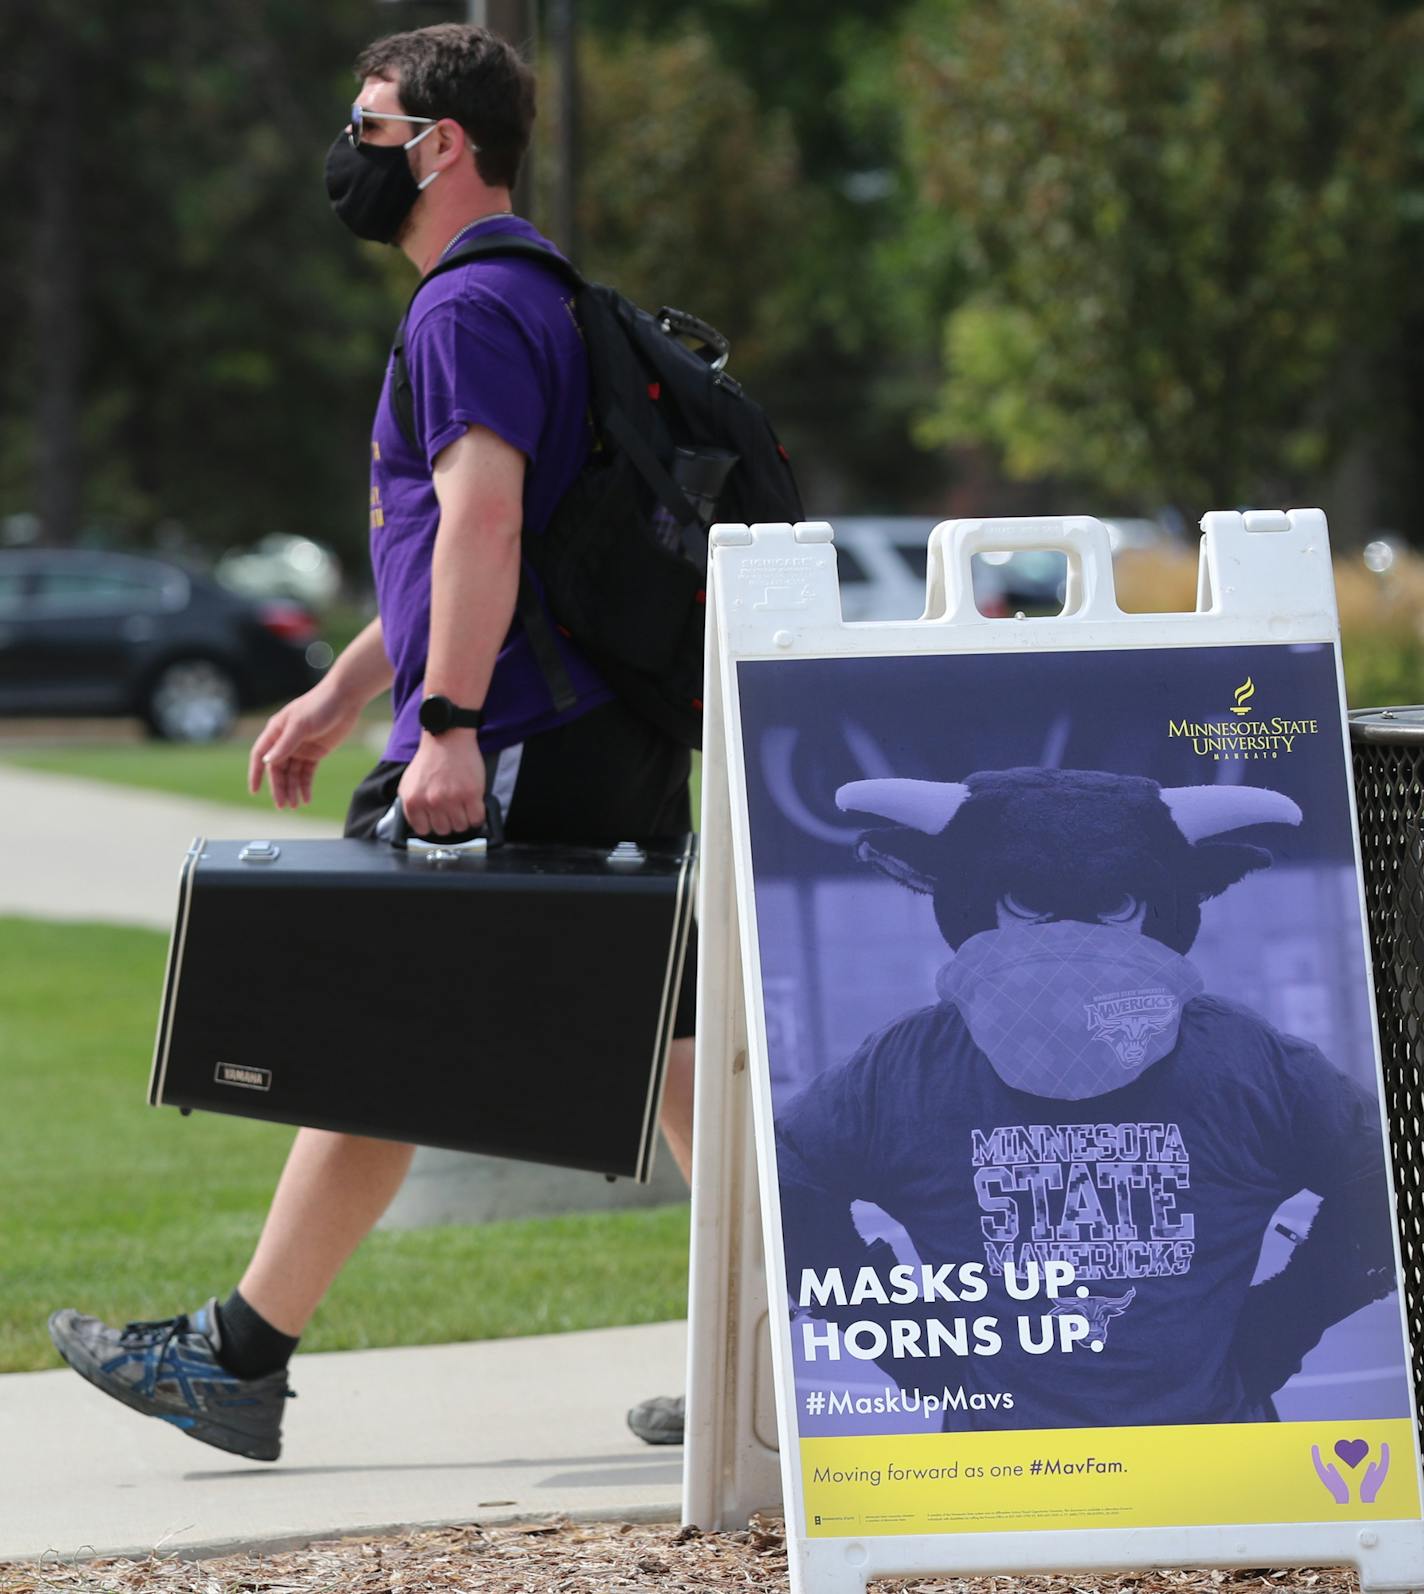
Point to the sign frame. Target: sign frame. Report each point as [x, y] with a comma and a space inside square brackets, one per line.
[1264, 577]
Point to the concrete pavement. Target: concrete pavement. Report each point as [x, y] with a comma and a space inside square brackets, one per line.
[498, 1431]
[89, 850]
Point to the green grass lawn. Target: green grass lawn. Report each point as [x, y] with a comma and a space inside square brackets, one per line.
[217, 773]
[131, 1212]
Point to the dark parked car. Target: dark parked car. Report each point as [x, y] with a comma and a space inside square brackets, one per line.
[107, 633]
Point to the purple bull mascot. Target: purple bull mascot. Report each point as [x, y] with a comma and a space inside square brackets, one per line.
[1076, 1100]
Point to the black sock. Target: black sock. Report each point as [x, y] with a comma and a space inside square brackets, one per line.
[249, 1347]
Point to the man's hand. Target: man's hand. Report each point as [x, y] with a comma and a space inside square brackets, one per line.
[296, 739]
[443, 790]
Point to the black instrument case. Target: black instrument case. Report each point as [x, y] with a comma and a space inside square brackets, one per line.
[517, 1001]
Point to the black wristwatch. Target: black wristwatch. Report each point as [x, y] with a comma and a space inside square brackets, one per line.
[438, 715]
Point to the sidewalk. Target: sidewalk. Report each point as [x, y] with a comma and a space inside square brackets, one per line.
[497, 1430]
[489, 1432]
[89, 850]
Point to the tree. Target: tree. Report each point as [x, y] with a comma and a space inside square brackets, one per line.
[228, 336]
[50, 74]
[855, 271]
[690, 194]
[1183, 224]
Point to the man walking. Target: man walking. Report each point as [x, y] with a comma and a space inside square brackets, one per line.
[499, 386]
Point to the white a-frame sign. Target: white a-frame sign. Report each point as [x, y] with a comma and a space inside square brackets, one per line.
[1034, 950]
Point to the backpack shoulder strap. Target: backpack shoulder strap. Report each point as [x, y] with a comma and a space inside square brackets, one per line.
[496, 246]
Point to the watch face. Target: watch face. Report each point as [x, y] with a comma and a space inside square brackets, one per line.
[435, 715]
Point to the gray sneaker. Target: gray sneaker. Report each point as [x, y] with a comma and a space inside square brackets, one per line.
[170, 1369]
[659, 1421]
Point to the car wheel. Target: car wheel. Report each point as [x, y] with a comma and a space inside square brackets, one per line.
[191, 700]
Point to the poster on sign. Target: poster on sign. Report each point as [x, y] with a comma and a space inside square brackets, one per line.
[1079, 1153]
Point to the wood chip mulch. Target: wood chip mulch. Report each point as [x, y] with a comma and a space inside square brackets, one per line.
[562, 1557]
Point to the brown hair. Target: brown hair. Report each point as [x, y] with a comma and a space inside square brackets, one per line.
[470, 75]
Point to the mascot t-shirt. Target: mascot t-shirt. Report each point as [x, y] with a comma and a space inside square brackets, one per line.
[1157, 1194]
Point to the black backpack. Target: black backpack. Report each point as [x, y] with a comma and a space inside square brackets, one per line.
[678, 445]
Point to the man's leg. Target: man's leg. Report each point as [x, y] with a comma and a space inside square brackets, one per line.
[331, 1193]
[660, 1421]
[220, 1373]
[676, 1116]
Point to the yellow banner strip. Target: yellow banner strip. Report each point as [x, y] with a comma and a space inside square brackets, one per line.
[1110, 1477]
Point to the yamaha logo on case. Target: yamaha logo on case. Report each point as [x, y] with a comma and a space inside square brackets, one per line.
[247, 1078]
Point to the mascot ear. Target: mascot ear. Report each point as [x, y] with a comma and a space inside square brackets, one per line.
[1219, 864]
[904, 855]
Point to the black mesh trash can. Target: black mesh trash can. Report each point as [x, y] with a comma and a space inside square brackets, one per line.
[1388, 749]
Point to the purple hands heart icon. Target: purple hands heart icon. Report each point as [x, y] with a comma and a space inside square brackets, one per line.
[1375, 1474]
[1329, 1475]
[1351, 1451]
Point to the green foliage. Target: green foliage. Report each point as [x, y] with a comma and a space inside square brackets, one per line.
[1183, 228]
[854, 270]
[797, 56]
[738, 157]
[233, 336]
[690, 193]
[1155, 249]
[721, 190]
[132, 1213]
[1384, 668]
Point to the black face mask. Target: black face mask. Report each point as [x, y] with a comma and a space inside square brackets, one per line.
[370, 187]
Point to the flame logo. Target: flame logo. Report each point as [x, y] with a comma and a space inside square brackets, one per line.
[1244, 693]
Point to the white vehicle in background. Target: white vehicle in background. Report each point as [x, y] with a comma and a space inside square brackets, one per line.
[881, 565]
[881, 562]
[279, 566]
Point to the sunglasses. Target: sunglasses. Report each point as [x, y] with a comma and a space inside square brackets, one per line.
[360, 117]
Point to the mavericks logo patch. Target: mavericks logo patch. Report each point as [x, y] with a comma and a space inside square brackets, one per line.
[1127, 1022]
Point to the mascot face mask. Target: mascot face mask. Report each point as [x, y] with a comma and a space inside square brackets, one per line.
[1069, 1010]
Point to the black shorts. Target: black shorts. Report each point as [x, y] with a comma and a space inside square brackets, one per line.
[608, 775]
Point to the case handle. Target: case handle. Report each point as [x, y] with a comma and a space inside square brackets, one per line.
[395, 828]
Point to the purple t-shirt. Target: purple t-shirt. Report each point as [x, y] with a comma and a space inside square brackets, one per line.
[493, 343]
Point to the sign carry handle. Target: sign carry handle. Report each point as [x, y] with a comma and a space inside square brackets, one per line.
[949, 589]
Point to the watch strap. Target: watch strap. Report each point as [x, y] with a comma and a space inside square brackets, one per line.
[450, 716]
